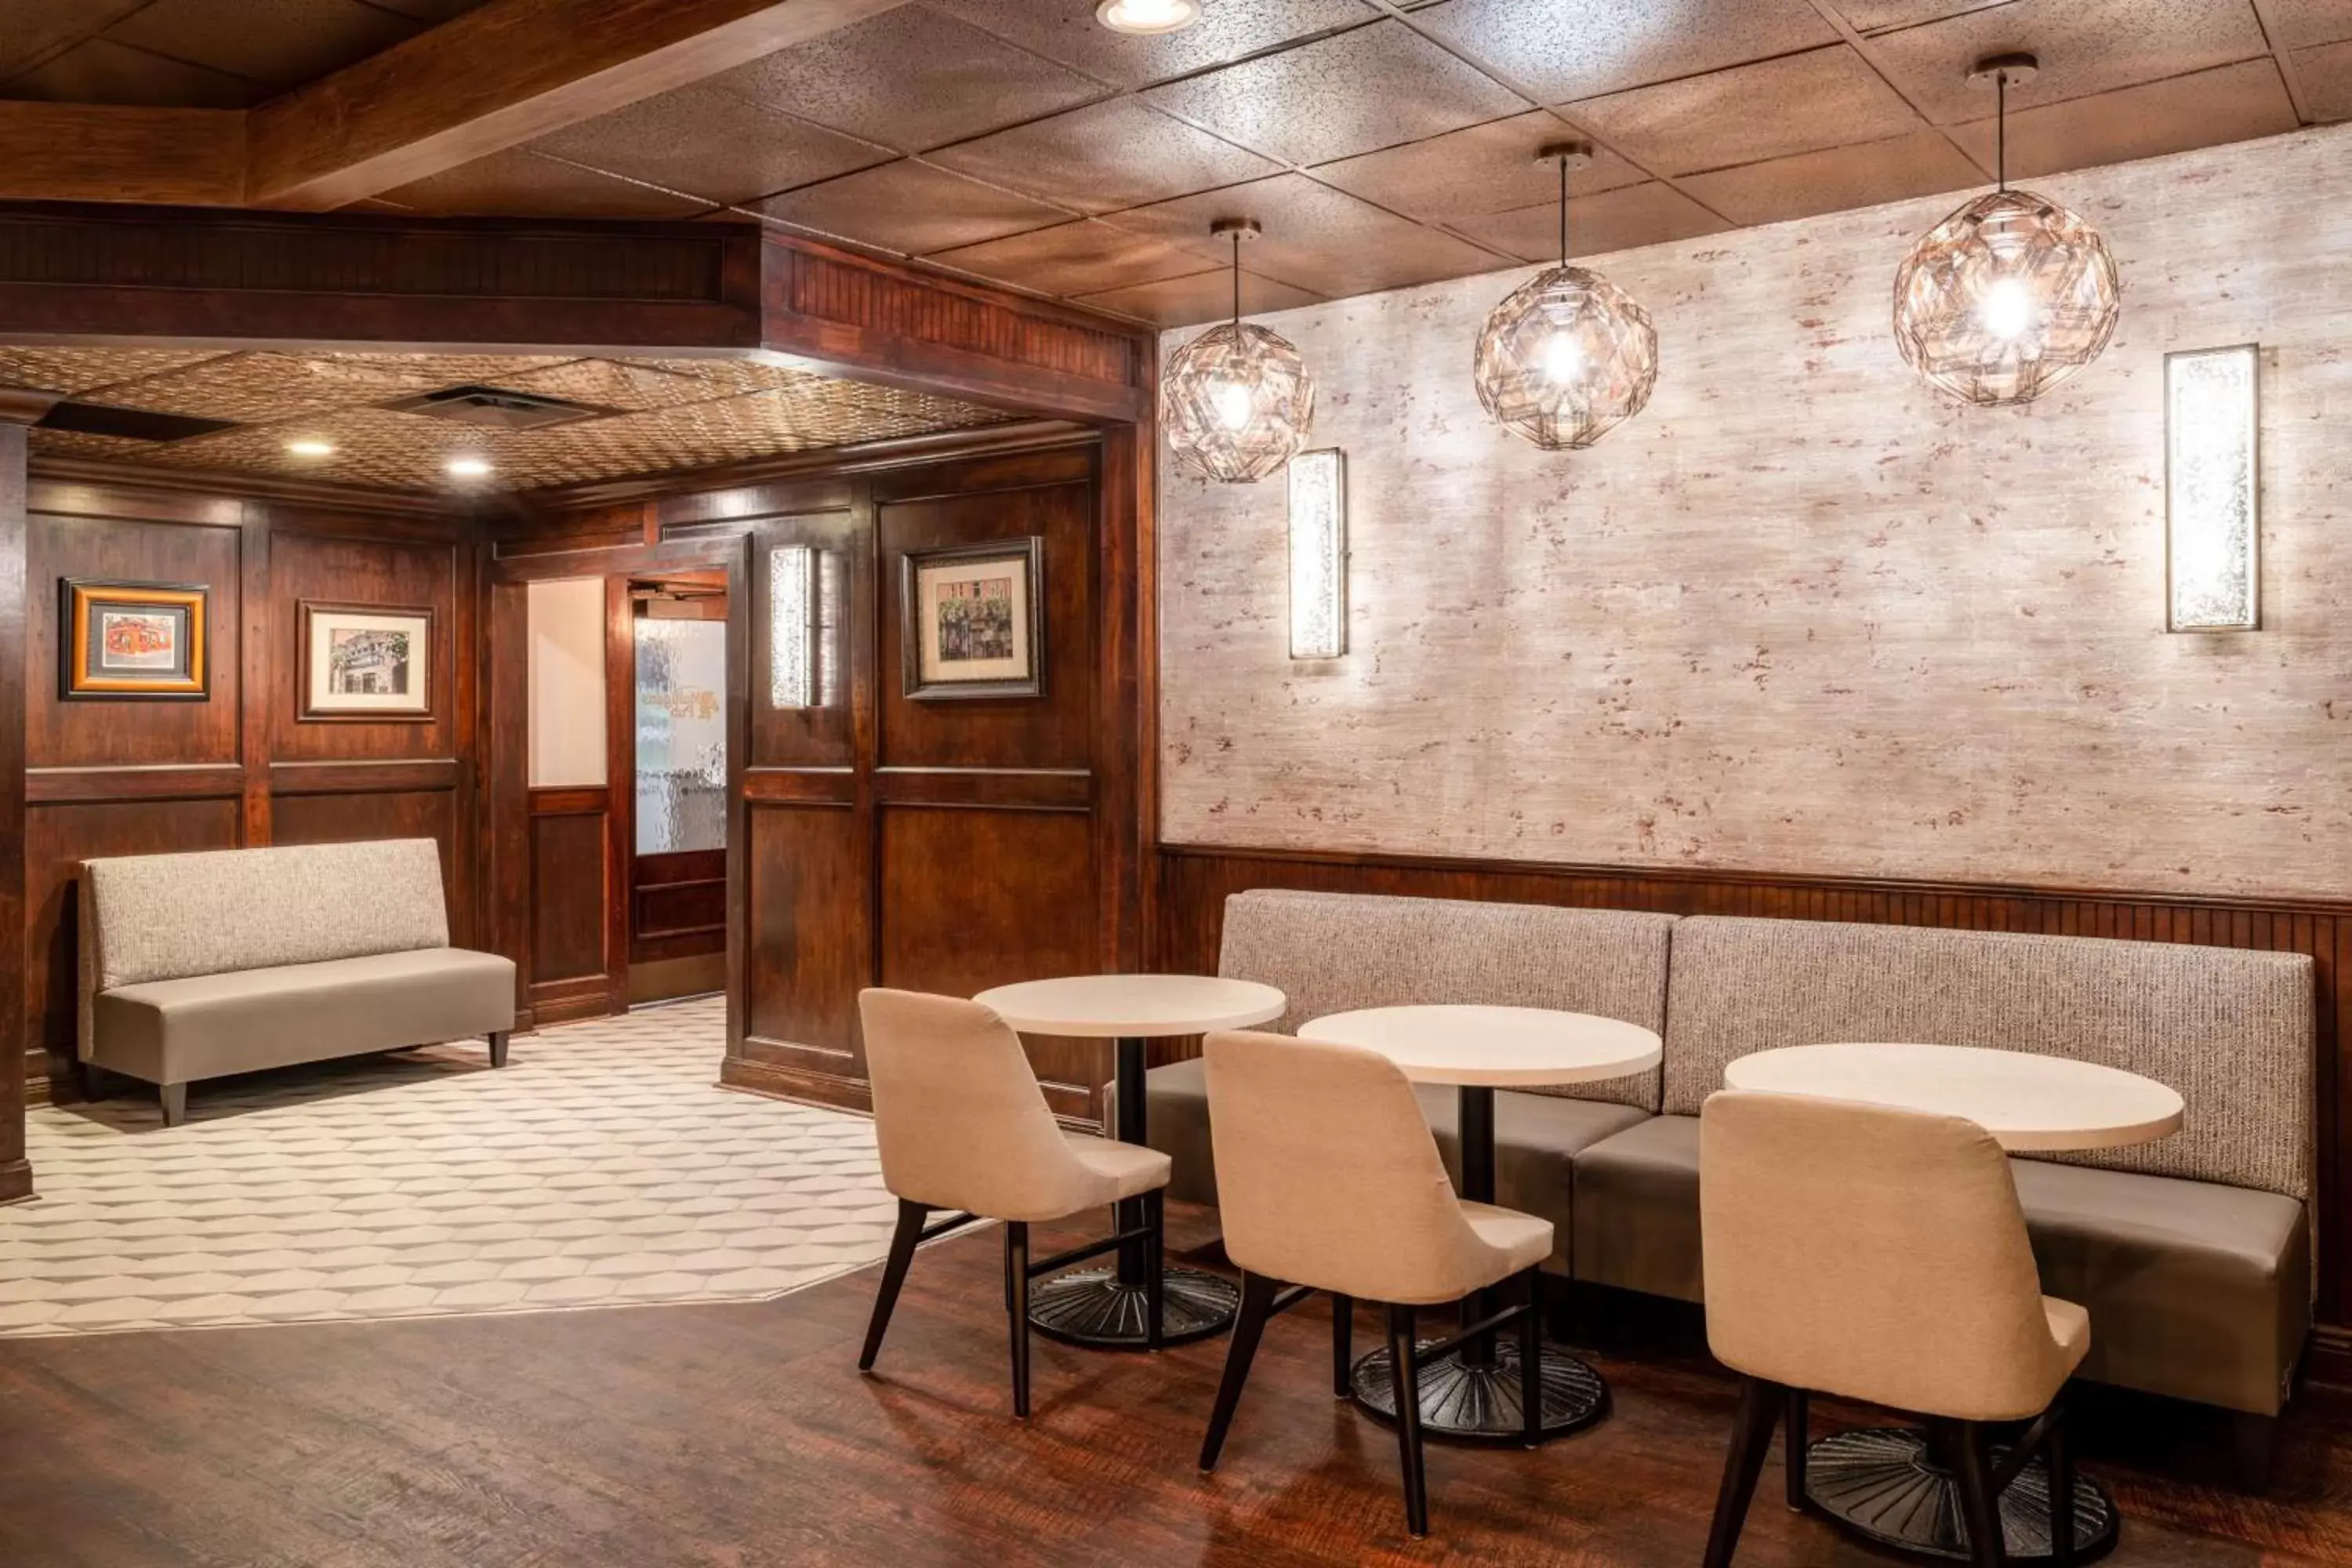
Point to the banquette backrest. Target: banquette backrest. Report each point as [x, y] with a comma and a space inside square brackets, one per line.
[1331, 953]
[2231, 1031]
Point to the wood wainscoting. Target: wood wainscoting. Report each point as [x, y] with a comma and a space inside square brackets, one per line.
[1195, 881]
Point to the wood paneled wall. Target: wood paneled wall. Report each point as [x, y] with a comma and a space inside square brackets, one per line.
[240, 767]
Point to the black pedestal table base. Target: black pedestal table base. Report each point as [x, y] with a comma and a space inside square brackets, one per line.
[1094, 1307]
[1481, 1402]
[1880, 1483]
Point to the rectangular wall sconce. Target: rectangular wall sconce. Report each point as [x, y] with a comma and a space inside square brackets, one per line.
[792, 627]
[1319, 554]
[2212, 544]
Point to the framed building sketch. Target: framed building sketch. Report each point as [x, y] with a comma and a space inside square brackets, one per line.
[366, 662]
[131, 640]
[971, 620]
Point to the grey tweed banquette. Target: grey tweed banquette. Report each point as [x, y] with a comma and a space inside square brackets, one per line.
[2192, 1254]
[228, 960]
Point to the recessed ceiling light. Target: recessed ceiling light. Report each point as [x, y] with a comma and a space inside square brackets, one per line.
[1148, 16]
[469, 468]
[312, 448]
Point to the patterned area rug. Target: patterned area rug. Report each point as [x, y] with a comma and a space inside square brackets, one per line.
[600, 1167]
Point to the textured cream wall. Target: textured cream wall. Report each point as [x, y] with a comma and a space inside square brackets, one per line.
[1804, 615]
[566, 719]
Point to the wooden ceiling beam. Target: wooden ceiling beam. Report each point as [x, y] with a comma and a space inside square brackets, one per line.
[500, 76]
[102, 153]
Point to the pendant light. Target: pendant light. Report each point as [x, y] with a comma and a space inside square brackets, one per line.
[1568, 356]
[2012, 293]
[1237, 401]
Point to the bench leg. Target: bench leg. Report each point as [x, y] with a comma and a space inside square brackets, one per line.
[498, 1047]
[2255, 1438]
[175, 1096]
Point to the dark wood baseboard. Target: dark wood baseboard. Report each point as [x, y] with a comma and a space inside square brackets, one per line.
[2328, 1357]
[790, 1083]
[570, 1009]
[16, 1180]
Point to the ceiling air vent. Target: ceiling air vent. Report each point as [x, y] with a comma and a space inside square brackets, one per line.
[497, 408]
[128, 423]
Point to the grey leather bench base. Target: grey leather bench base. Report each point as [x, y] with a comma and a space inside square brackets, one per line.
[1537, 1137]
[2194, 1290]
[211, 1024]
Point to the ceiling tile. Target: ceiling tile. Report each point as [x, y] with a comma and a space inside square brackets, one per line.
[714, 145]
[519, 183]
[910, 208]
[103, 71]
[1203, 297]
[2300, 24]
[1623, 219]
[1372, 88]
[2235, 103]
[257, 387]
[77, 371]
[2327, 76]
[1797, 103]
[1065, 30]
[1877, 16]
[275, 44]
[1488, 168]
[1564, 49]
[609, 383]
[1316, 237]
[1122, 153]
[33, 30]
[911, 78]
[2086, 46]
[431, 10]
[1837, 179]
[1075, 259]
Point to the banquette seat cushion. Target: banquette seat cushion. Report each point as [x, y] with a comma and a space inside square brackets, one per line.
[2192, 1254]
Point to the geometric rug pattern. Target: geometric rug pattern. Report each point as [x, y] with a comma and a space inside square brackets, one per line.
[600, 1167]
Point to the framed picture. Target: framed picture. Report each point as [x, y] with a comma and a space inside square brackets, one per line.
[972, 620]
[131, 640]
[366, 662]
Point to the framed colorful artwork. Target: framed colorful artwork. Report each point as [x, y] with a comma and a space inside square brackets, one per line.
[971, 620]
[366, 663]
[131, 640]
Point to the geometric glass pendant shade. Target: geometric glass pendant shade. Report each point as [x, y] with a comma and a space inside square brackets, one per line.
[1568, 356]
[2009, 295]
[1237, 401]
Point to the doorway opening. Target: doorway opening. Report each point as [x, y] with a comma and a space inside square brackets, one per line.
[677, 861]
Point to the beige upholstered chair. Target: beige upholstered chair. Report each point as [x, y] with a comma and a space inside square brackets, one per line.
[1328, 1179]
[1879, 1255]
[963, 1125]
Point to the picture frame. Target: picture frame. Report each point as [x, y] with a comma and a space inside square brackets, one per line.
[367, 664]
[971, 620]
[139, 641]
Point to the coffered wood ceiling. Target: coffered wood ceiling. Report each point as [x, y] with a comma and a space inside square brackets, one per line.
[1383, 142]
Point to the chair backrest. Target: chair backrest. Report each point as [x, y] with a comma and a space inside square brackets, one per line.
[1333, 953]
[1327, 1173]
[960, 1120]
[1870, 1252]
[2231, 1032]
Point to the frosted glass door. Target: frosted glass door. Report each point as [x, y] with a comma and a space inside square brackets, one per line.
[681, 736]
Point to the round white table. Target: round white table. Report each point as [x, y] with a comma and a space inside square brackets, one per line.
[1104, 1307]
[1474, 1392]
[1888, 1484]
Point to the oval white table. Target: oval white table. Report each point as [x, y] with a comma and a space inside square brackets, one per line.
[1474, 1392]
[1888, 1484]
[1104, 1307]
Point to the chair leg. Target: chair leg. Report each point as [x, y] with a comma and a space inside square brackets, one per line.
[911, 1216]
[1257, 1305]
[1343, 1354]
[1796, 1437]
[1155, 1279]
[1016, 1286]
[2255, 1438]
[1408, 1419]
[2059, 1451]
[1979, 1504]
[498, 1047]
[1760, 1404]
[1531, 1363]
[175, 1096]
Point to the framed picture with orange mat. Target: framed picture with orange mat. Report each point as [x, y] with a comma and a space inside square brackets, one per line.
[131, 640]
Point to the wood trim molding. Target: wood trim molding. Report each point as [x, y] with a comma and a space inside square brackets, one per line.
[103, 151]
[93, 786]
[58, 482]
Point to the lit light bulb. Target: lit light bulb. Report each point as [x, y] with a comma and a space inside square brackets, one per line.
[469, 467]
[1148, 16]
[1563, 359]
[2007, 309]
[309, 447]
[1233, 404]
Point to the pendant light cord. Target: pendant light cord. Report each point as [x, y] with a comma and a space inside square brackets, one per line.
[2000, 126]
[1237, 279]
[1563, 209]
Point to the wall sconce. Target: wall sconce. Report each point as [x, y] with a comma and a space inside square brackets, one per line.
[2213, 514]
[792, 627]
[1319, 554]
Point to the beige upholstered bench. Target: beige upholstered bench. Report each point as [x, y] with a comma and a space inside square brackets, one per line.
[196, 966]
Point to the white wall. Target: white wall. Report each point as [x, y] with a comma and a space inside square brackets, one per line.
[567, 682]
[1804, 614]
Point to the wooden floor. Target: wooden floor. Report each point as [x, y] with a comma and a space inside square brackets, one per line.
[742, 1435]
